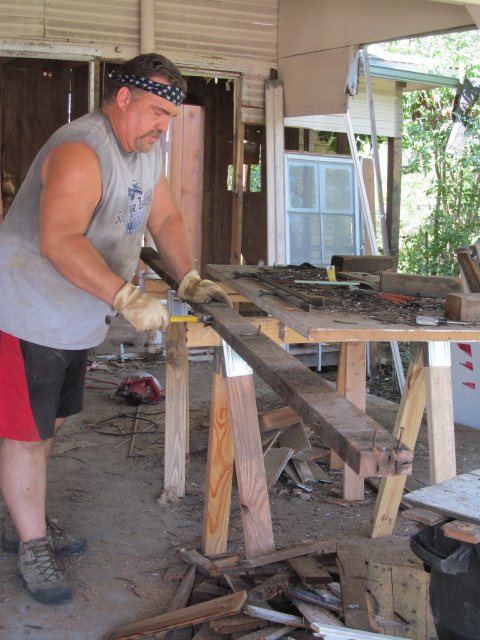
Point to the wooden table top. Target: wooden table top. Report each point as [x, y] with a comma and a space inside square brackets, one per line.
[330, 325]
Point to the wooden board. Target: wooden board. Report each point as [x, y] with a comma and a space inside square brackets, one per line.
[216, 510]
[341, 425]
[251, 481]
[418, 286]
[457, 497]
[196, 614]
[368, 264]
[352, 570]
[275, 461]
[463, 531]
[326, 325]
[463, 307]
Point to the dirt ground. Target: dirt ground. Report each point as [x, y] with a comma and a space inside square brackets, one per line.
[98, 491]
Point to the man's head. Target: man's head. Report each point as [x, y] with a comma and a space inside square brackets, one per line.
[146, 66]
[145, 93]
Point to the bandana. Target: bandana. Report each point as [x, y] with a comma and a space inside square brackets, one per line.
[167, 91]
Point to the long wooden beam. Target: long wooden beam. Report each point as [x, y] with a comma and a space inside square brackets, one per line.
[368, 448]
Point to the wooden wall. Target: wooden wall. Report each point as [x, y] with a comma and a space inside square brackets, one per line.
[34, 103]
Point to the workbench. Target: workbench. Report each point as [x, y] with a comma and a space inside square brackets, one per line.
[364, 446]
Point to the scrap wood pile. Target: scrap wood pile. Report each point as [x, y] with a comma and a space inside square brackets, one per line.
[315, 589]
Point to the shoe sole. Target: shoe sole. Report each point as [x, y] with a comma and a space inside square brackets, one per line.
[50, 597]
[9, 546]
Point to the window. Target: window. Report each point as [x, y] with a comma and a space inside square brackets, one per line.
[322, 208]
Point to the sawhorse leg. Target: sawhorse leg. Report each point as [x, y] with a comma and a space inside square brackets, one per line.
[176, 411]
[407, 426]
[429, 386]
[249, 465]
[351, 383]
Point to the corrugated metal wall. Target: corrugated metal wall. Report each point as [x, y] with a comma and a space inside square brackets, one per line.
[206, 37]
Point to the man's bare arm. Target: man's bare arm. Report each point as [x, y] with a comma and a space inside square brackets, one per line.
[169, 232]
[71, 189]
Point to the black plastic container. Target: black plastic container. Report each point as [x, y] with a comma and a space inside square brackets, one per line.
[454, 583]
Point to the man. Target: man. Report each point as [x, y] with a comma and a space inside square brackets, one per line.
[68, 250]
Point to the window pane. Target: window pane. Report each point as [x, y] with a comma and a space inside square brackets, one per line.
[302, 186]
[337, 189]
[304, 238]
[338, 236]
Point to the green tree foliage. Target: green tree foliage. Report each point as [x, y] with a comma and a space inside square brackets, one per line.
[450, 184]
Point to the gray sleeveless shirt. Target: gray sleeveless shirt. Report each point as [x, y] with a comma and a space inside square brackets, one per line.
[36, 303]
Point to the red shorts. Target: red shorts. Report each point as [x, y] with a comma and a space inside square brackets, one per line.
[37, 385]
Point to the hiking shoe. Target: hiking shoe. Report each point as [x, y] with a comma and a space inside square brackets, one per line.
[41, 572]
[64, 545]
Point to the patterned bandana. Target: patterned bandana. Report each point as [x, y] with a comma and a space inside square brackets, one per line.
[167, 91]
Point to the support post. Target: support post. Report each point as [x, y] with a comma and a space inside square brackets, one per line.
[441, 431]
[407, 426]
[249, 465]
[220, 459]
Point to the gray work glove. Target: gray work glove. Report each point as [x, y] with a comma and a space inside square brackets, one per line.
[143, 311]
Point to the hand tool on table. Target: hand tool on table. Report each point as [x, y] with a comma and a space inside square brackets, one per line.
[432, 321]
[395, 298]
[286, 290]
[203, 319]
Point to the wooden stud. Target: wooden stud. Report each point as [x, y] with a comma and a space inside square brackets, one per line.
[237, 201]
[176, 411]
[249, 465]
[219, 472]
[441, 432]
[407, 426]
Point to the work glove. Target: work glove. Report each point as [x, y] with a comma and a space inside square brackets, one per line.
[194, 289]
[143, 311]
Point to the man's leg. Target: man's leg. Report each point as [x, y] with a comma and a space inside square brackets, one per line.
[23, 480]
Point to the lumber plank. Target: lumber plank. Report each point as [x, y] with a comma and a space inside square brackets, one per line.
[294, 437]
[275, 461]
[313, 613]
[462, 307]
[418, 286]
[407, 426]
[410, 599]
[321, 547]
[341, 425]
[250, 468]
[367, 264]
[281, 418]
[220, 462]
[440, 422]
[176, 411]
[204, 565]
[456, 497]
[196, 614]
[309, 570]
[423, 516]
[332, 632]
[353, 579]
[236, 624]
[270, 587]
[463, 531]
[267, 633]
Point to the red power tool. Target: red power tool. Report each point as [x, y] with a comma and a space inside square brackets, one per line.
[140, 388]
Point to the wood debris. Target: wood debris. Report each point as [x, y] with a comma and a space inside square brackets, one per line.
[280, 594]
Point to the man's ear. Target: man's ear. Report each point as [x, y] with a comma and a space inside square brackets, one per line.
[124, 97]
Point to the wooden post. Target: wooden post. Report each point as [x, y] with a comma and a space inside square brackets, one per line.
[441, 432]
[219, 472]
[176, 410]
[249, 464]
[407, 426]
[355, 390]
[237, 202]
[275, 144]
[351, 383]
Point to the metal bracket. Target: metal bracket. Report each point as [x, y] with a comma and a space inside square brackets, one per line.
[175, 306]
[438, 354]
[233, 364]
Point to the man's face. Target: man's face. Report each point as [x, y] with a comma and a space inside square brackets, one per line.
[147, 117]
